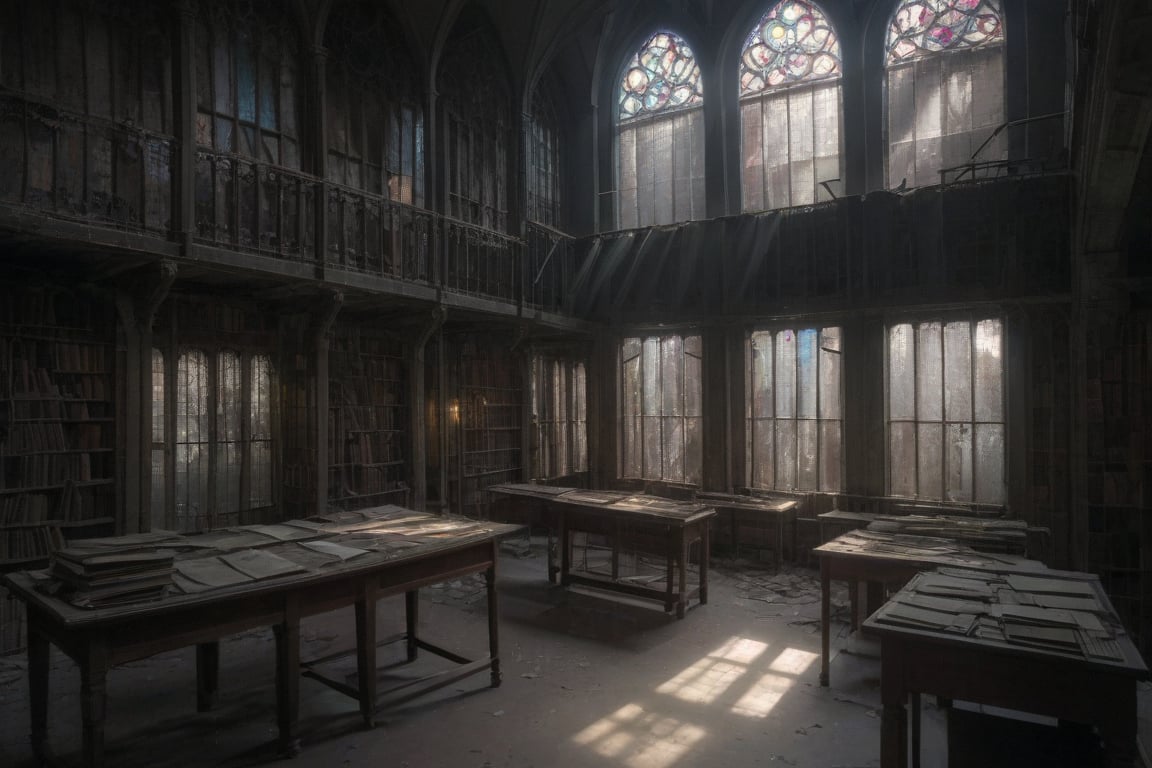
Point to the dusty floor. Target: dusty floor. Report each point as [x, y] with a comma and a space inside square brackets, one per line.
[588, 681]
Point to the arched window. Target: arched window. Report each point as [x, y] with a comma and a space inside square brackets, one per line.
[660, 135]
[375, 118]
[790, 107]
[945, 61]
[544, 157]
[477, 121]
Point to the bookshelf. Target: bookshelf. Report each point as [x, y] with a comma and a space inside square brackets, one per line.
[57, 428]
[57, 470]
[489, 443]
[368, 421]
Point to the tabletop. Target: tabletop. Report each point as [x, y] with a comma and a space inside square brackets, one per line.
[248, 560]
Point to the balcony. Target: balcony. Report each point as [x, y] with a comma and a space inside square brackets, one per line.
[85, 169]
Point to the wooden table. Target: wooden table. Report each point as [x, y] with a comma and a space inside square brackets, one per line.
[983, 668]
[741, 507]
[671, 526]
[415, 550]
[878, 560]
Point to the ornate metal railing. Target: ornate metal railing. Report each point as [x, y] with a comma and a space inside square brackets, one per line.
[251, 206]
[549, 267]
[369, 233]
[83, 167]
[480, 262]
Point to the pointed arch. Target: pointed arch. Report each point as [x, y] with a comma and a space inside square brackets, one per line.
[660, 134]
[790, 107]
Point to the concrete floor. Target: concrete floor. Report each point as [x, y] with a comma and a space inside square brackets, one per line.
[588, 681]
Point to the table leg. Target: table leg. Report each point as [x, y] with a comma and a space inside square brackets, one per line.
[914, 706]
[1118, 729]
[38, 668]
[366, 651]
[551, 557]
[288, 676]
[616, 536]
[207, 675]
[411, 621]
[493, 623]
[565, 550]
[825, 617]
[705, 561]
[893, 716]
[779, 541]
[854, 604]
[670, 578]
[93, 698]
[682, 603]
[876, 595]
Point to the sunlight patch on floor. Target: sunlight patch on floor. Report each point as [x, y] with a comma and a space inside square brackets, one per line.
[705, 680]
[640, 738]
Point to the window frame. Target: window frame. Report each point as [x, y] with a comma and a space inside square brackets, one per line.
[212, 444]
[972, 319]
[687, 474]
[945, 54]
[788, 91]
[821, 471]
[562, 422]
[691, 115]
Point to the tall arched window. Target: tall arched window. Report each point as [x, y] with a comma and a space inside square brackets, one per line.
[375, 118]
[660, 135]
[945, 61]
[477, 120]
[790, 107]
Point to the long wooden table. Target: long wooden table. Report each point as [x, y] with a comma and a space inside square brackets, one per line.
[1090, 680]
[879, 560]
[673, 526]
[408, 550]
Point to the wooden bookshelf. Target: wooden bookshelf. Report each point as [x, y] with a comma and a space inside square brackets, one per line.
[367, 420]
[489, 443]
[57, 426]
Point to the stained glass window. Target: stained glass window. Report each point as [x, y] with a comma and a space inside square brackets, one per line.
[373, 105]
[922, 27]
[662, 76]
[790, 108]
[794, 409]
[945, 63]
[660, 137]
[477, 109]
[946, 428]
[661, 417]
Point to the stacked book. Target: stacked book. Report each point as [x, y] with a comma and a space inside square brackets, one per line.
[982, 534]
[94, 578]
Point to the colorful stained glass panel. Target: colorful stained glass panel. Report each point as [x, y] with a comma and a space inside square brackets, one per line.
[923, 27]
[663, 75]
[792, 43]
